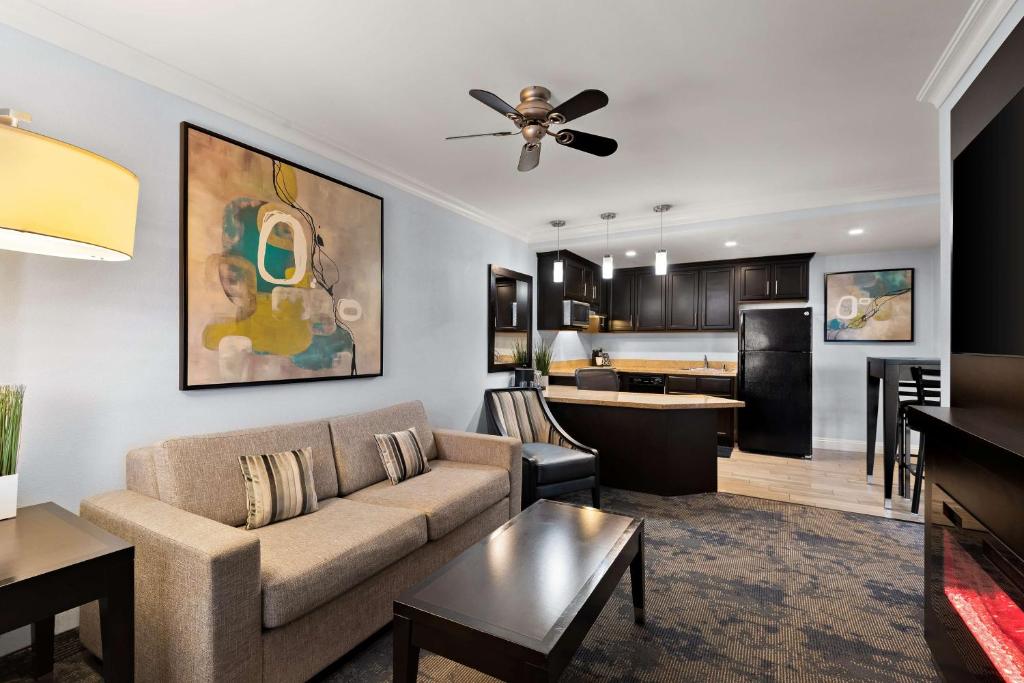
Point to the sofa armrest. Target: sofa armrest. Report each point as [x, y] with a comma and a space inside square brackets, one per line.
[197, 591]
[484, 449]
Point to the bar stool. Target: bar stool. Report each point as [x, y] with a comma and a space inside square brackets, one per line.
[928, 392]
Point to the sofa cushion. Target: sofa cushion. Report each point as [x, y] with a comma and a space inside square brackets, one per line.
[355, 450]
[555, 463]
[278, 486]
[307, 561]
[200, 474]
[402, 455]
[450, 494]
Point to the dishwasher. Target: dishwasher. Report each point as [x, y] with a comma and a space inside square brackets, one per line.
[645, 384]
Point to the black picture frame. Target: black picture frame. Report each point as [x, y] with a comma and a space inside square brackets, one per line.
[183, 380]
[913, 307]
[493, 273]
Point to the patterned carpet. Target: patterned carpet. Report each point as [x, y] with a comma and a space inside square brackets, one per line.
[738, 589]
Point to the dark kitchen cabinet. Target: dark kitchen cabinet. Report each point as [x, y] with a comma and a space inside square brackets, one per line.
[683, 304]
[717, 299]
[650, 301]
[773, 280]
[574, 275]
[580, 282]
[754, 282]
[790, 280]
[724, 387]
[621, 302]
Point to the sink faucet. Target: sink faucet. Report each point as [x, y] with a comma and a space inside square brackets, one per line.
[706, 366]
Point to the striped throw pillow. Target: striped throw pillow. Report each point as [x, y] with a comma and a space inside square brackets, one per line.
[402, 454]
[278, 486]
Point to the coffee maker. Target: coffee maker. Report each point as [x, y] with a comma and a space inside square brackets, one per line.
[599, 358]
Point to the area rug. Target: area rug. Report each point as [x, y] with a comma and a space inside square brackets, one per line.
[738, 589]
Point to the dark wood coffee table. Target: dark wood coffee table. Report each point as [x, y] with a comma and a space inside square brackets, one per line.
[51, 561]
[518, 604]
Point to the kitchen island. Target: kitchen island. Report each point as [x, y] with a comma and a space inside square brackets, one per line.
[655, 443]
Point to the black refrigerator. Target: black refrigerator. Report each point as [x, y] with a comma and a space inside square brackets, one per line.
[775, 381]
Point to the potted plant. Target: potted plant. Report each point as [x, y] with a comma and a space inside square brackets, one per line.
[521, 360]
[12, 397]
[542, 361]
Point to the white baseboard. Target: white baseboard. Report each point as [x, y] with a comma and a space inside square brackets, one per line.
[848, 445]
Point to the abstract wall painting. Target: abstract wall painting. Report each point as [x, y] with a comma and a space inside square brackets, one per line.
[281, 269]
[870, 306]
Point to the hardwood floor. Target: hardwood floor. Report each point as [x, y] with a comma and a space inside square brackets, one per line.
[832, 479]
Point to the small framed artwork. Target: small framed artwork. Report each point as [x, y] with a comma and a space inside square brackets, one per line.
[870, 306]
[281, 269]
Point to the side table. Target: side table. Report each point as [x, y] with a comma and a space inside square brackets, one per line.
[52, 560]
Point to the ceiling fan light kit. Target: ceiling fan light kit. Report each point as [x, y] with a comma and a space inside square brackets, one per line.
[534, 115]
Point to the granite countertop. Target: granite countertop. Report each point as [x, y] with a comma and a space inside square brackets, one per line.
[661, 367]
[623, 399]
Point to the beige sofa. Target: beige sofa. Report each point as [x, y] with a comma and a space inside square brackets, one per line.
[214, 602]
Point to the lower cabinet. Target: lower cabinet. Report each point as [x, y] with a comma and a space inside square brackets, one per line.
[724, 387]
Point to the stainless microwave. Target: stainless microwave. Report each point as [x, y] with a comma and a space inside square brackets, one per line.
[575, 313]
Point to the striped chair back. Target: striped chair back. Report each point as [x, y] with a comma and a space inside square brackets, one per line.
[520, 415]
[927, 385]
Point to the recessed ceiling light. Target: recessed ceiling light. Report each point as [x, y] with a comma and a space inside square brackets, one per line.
[856, 231]
[631, 253]
[731, 243]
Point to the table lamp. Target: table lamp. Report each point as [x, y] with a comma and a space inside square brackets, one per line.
[59, 200]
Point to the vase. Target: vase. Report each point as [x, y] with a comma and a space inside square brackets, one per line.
[8, 496]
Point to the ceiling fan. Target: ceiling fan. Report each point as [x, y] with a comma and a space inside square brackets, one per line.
[533, 116]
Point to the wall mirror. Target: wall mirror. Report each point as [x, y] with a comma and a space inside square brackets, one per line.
[509, 319]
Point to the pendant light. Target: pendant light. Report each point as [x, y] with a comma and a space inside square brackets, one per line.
[557, 273]
[661, 256]
[607, 264]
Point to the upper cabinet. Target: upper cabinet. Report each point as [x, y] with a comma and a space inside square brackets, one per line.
[771, 280]
[691, 297]
[683, 305]
[581, 281]
[717, 299]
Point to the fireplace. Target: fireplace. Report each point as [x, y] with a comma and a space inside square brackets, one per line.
[974, 595]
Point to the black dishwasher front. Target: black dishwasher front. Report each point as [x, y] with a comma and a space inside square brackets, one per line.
[645, 384]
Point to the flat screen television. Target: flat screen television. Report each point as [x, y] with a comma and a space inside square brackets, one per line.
[988, 239]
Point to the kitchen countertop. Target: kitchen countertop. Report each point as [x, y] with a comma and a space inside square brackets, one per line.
[622, 399]
[668, 369]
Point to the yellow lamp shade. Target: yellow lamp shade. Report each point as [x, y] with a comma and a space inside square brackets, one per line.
[61, 200]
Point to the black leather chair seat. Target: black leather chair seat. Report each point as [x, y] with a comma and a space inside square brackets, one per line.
[557, 463]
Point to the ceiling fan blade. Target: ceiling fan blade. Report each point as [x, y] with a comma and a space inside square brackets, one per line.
[580, 105]
[585, 142]
[496, 103]
[483, 135]
[530, 156]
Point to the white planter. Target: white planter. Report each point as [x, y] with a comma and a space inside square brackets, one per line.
[8, 496]
[544, 381]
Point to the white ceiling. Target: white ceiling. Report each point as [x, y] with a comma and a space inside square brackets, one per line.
[723, 109]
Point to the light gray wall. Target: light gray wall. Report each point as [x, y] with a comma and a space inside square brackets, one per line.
[839, 391]
[97, 343]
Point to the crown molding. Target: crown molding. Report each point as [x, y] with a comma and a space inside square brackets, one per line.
[783, 209]
[979, 23]
[67, 34]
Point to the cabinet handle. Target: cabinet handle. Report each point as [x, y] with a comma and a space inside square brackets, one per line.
[766, 285]
[776, 288]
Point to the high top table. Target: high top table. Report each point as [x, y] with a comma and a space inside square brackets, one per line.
[888, 371]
